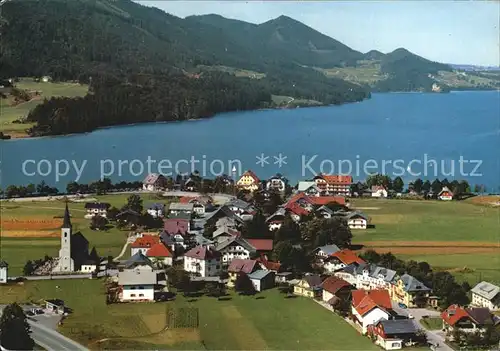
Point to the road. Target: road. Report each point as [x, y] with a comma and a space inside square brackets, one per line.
[51, 340]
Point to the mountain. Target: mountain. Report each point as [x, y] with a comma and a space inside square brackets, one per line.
[373, 55]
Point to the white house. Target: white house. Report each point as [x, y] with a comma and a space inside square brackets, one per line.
[262, 279]
[137, 280]
[357, 220]
[180, 208]
[326, 251]
[89, 267]
[143, 244]
[154, 182]
[369, 307]
[379, 191]
[371, 277]
[234, 247]
[160, 253]
[4, 274]
[445, 194]
[156, 210]
[276, 183]
[340, 259]
[486, 295]
[96, 208]
[309, 188]
[203, 260]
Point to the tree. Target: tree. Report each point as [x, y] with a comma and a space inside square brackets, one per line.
[379, 179]
[14, 329]
[257, 227]
[28, 268]
[274, 201]
[11, 191]
[98, 222]
[112, 212]
[289, 230]
[209, 229]
[371, 256]
[30, 189]
[398, 185]
[244, 285]
[134, 203]
[418, 185]
[436, 186]
[426, 187]
[72, 188]
[327, 231]
[178, 277]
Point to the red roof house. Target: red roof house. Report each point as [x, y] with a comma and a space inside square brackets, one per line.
[347, 257]
[159, 250]
[146, 241]
[238, 265]
[261, 244]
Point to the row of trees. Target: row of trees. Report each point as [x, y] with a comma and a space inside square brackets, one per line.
[443, 284]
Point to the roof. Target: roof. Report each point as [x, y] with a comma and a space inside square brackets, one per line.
[303, 186]
[398, 326]
[356, 214]
[347, 256]
[223, 211]
[324, 200]
[201, 240]
[100, 205]
[336, 179]
[156, 206]
[295, 208]
[486, 290]
[66, 218]
[158, 250]
[261, 244]
[366, 300]
[177, 206]
[412, 284]
[176, 225]
[145, 241]
[138, 260]
[242, 266]
[387, 274]
[325, 209]
[375, 188]
[328, 249]
[272, 266]
[4, 264]
[129, 212]
[136, 277]
[251, 174]
[203, 253]
[334, 284]
[225, 229]
[151, 178]
[260, 274]
[238, 240]
[445, 189]
[454, 313]
[313, 280]
[238, 203]
[57, 302]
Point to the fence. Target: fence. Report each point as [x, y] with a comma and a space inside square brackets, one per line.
[182, 317]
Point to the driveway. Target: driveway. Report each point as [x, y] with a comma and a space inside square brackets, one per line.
[436, 337]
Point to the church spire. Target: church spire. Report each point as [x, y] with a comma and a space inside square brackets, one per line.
[66, 220]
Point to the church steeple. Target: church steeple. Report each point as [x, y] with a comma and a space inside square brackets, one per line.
[66, 220]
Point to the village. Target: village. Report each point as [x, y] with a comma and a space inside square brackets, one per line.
[271, 237]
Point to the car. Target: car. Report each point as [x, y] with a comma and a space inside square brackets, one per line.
[410, 316]
[402, 305]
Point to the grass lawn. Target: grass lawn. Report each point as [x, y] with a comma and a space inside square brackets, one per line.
[432, 323]
[10, 113]
[242, 323]
[17, 250]
[413, 220]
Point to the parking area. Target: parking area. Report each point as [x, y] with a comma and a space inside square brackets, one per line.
[41, 315]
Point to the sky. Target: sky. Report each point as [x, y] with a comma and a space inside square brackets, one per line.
[460, 32]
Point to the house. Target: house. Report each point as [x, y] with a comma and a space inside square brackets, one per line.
[486, 295]
[409, 291]
[96, 208]
[143, 244]
[372, 277]
[248, 181]
[350, 273]
[262, 279]
[46, 79]
[393, 334]
[241, 208]
[156, 210]
[154, 182]
[309, 188]
[200, 204]
[336, 290]
[223, 212]
[379, 191]
[334, 184]
[89, 266]
[309, 286]
[325, 212]
[160, 253]
[326, 250]
[55, 306]
[138, 280]
[176, 226]
[173, 241]
[235, 247]
[224, 233]
[262, 246]
[357, 220]
[269, 265]
[239, 266]
[178, 208]
[340, 259]
[296, 211]
[129, 217]
[370, 306]
[468, 320]
[204, 261]
[4, 272]
[275, 220]
[276, 183]
[283, 277]
[445, 194]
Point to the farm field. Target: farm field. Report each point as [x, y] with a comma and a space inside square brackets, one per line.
[10, 113]
[241, 323]
[460, 237]
[29, 231]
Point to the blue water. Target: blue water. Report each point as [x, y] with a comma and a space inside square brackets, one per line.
[388, 127]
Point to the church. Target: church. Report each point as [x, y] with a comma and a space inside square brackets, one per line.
[74, 250]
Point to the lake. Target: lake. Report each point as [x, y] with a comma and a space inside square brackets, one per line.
[454, 136]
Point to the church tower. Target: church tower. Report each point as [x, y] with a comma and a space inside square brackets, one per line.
[66, 263]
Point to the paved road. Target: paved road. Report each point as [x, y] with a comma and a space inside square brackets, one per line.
[51, 340]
